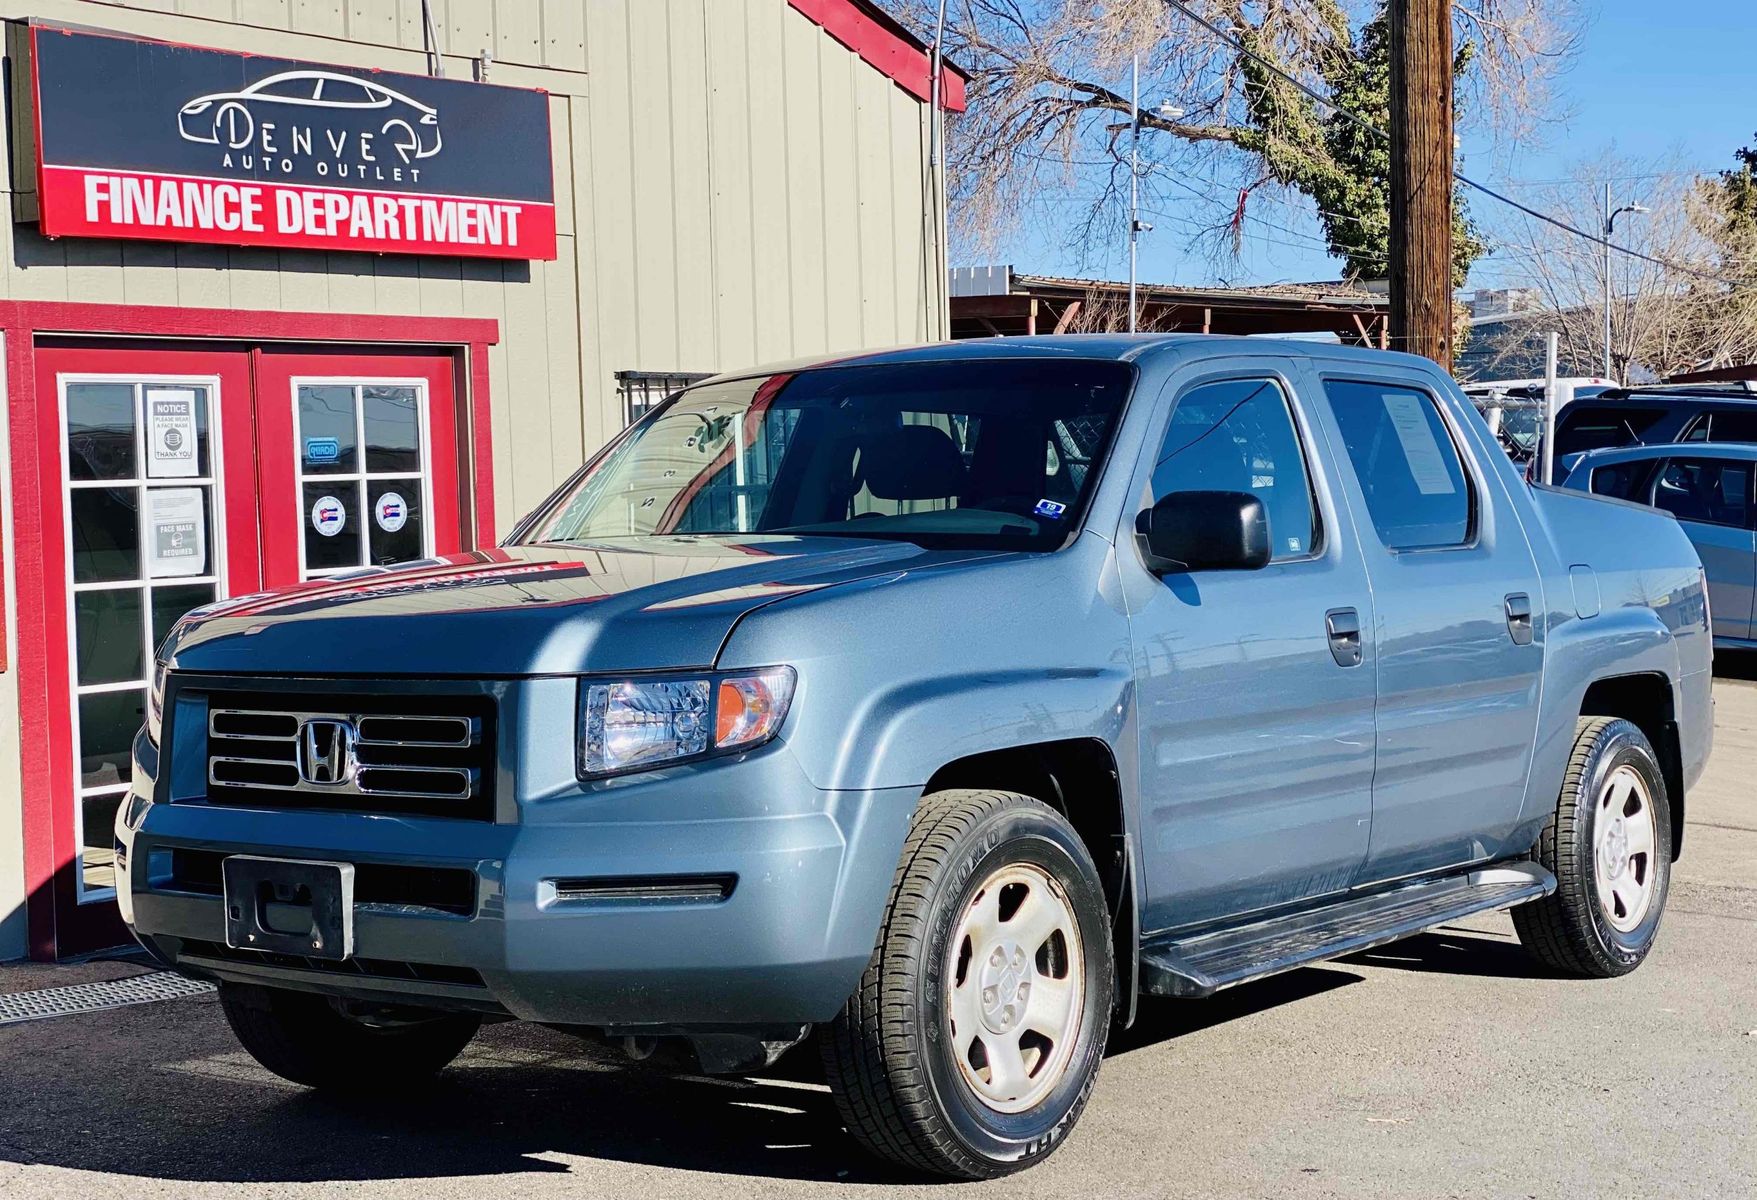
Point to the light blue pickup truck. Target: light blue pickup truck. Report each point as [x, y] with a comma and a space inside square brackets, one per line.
[947, 701]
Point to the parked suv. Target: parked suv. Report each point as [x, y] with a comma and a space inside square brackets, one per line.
[947, 701]
[1709, 488]
[1654, 415]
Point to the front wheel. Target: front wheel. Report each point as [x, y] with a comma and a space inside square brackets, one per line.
[973, 1041]
[1609, 845]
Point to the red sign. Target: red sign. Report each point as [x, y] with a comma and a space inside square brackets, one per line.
[83, 202]
[140, 139]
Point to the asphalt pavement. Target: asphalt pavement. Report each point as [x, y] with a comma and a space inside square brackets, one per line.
[1447, 1065]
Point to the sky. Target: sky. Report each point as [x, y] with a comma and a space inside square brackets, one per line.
[1655, 81]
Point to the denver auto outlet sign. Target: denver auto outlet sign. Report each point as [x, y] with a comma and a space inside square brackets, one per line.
[140, 139]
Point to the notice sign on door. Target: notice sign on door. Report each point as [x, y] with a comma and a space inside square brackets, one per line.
[142, 139]
[176, 533]
[170, 434]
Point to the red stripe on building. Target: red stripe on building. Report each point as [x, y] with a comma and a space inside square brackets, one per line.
[884, 45]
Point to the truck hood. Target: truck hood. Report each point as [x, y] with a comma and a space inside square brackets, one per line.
[639, 604]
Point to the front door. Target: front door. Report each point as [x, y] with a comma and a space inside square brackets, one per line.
[1460, 647]
[185, 475]
[1256, 725]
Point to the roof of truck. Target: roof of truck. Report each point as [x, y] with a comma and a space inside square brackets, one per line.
[1122, 347]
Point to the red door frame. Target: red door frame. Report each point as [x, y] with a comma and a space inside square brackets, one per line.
[34, 429]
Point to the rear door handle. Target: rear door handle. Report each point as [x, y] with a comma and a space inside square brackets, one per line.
[1519, 618]
[1343, 626]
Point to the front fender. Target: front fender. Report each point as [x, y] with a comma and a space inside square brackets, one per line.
[903, 733]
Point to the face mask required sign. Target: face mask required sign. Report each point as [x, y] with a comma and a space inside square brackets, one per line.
[139, 139]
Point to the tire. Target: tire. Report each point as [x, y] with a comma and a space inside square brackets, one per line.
[979, 869]
[305, 1038]
[1601, 923]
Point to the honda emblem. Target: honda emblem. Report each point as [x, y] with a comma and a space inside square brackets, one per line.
[326, 751]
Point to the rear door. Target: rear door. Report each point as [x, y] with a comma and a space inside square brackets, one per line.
[1712, 500]
[1455, 590]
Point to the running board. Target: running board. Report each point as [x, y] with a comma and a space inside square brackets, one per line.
[1201, 964]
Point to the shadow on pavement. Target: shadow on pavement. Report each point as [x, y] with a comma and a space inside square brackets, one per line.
[1455, 952]
[1162, 1020]
[163, 1092]
[1735, 664]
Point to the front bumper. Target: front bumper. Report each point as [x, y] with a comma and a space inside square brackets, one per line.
[786, 946]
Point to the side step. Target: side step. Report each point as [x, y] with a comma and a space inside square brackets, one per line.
[1200, 964]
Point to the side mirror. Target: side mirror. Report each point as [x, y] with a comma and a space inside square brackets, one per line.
[1204, 531]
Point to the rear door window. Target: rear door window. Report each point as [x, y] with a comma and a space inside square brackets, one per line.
[1601, 426]
[1624, 481]
[1709, 491]
[1732, 426]
[1415, 487]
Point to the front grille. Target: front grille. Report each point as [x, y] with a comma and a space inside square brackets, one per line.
[445, 889]
[373, 968]
[426, 755]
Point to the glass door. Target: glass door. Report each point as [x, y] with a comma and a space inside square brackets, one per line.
[157, 516]
[364, 458]
[360, 461]
[146, 542]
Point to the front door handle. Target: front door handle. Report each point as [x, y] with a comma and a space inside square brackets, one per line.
[1519, 618]
[1343, 626]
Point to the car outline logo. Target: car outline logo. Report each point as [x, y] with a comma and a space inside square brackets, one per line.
[233, 120]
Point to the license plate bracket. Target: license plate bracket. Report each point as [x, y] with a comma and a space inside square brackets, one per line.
[289, 906]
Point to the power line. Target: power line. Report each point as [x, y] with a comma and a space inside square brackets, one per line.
[1356, 119]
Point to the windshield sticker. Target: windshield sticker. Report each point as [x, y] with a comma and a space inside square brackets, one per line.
[328, 516]
[391, 512]
[1050, 508]
[1427, 466]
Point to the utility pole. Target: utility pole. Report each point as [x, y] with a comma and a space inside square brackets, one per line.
[1421, 177]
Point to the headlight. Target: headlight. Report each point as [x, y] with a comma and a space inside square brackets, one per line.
[155, 704]
[631, 724]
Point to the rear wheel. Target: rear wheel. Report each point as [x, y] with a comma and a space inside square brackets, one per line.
[1609, 845]
[310, 1040]
[972, 1043]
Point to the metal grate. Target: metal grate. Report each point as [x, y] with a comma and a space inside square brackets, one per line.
[96, 997]
[641, 390]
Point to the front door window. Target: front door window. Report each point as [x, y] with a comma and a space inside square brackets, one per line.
[364, 473]
[145, 539]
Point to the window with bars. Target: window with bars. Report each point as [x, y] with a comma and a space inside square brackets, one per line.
[642, 390]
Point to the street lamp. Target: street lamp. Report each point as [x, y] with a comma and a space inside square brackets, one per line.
[1610, 226]
[1170, 112]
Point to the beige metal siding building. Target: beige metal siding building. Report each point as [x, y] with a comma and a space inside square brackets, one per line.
[734, 181]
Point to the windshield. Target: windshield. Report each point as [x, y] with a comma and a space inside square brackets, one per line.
[995, 453]
[1521, 426]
